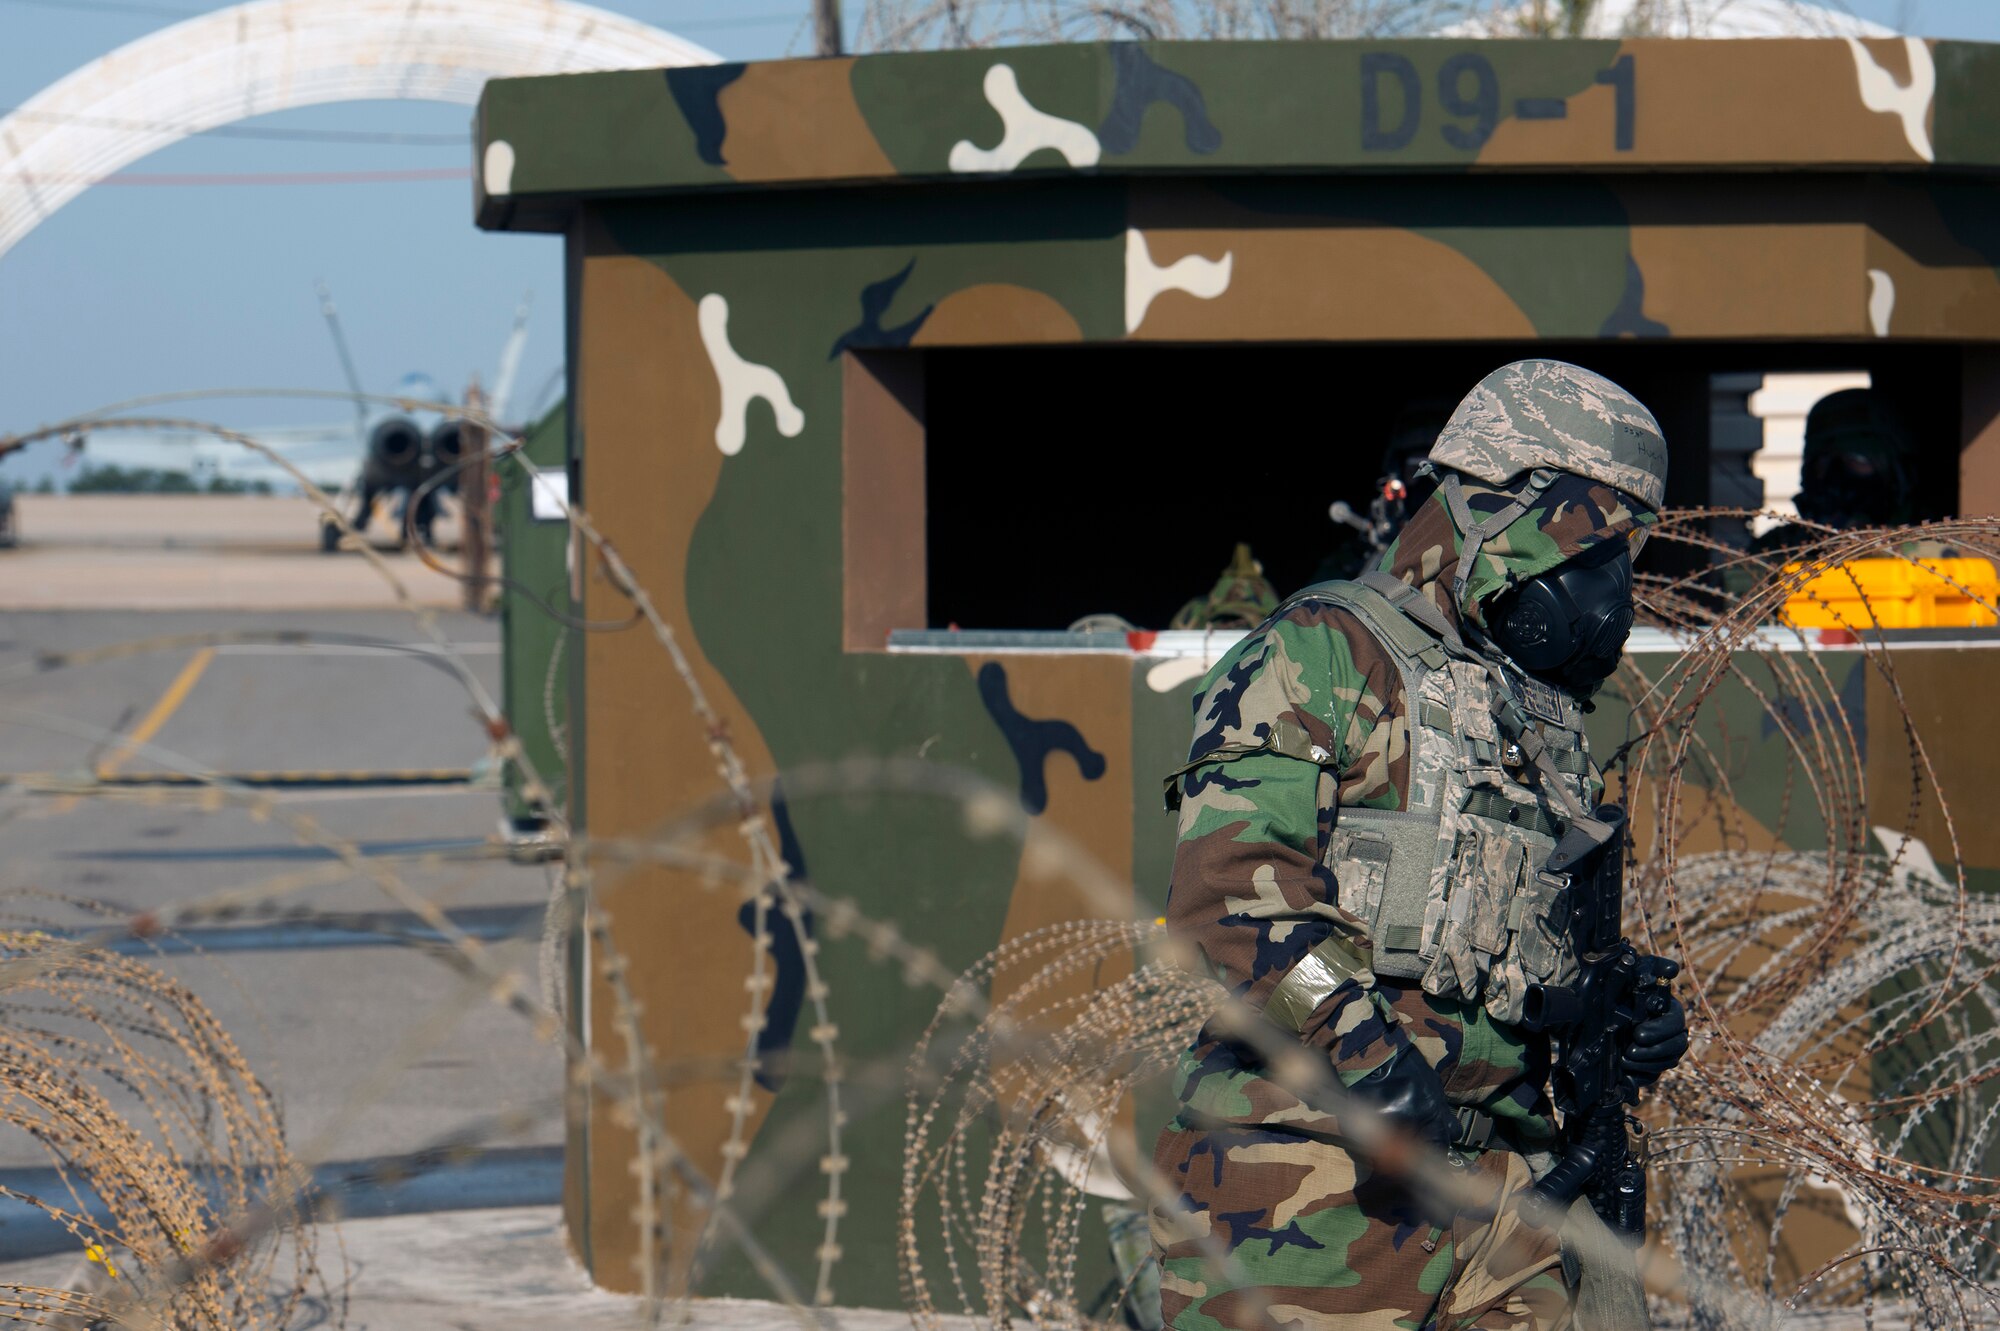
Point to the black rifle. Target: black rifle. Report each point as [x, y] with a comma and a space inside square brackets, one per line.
[1617, 987]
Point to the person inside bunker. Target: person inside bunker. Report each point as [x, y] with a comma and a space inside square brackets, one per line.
[1357, 852]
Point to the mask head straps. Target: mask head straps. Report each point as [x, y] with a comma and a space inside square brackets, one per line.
[1475, 534]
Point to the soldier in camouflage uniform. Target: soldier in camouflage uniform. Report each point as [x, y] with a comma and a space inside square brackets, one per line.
[1856, 470]
[1402, 486]
[1240, 598]
[1363, 727]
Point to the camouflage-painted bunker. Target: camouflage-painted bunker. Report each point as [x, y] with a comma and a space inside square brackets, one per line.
[864, 349]
[534, 540]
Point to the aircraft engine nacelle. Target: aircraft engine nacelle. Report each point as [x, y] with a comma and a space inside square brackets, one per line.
[395, 454]
[447, 450]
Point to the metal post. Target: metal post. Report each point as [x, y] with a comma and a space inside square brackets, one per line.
[475, 515]
[827, 39]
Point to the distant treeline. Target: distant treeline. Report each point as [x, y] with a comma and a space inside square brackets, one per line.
[106, 479]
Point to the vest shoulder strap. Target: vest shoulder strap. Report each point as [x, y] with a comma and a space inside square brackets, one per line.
[1413, 649]
[1403, 636]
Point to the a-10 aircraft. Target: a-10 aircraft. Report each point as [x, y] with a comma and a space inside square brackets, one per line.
[378, 461]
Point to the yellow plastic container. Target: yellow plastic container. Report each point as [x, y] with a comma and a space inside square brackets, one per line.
[1897, 594]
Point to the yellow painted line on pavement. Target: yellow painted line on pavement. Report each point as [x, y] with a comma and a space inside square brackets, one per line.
[169, 703]
[400, 776]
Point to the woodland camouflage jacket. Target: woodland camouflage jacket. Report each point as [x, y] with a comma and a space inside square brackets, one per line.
[1251, 887]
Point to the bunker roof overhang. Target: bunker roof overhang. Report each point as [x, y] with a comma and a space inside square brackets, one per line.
[1436, 106]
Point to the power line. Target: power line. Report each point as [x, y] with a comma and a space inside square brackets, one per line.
[393, 137]
[176, 12]
[263, 177]
[747, 21]
[111, 7]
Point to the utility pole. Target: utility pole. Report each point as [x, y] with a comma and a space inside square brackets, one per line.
[826, 28]
[475, 517]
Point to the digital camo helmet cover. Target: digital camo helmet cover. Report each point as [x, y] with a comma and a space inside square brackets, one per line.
[1554, 415]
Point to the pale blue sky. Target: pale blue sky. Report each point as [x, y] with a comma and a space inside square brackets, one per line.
[140, 289]
[131, 290]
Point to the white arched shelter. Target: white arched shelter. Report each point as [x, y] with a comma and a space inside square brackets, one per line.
[275, 55]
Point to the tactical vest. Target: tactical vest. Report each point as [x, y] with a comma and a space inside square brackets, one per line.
[1449, 887]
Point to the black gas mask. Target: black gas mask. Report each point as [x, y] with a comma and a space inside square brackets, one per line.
[1568, 626]
[1848, 490]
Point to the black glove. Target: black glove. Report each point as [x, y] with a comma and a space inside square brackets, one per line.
[1658, 1043]
[1408, 1092]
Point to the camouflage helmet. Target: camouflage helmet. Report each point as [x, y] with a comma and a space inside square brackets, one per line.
[1241, 598]
[1549, 414]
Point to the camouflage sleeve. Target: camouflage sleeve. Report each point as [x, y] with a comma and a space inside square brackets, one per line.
[1300, 717]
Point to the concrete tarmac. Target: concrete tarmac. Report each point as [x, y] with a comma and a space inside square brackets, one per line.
[164, 552]
[510, 1270]
[316, 1021]
[505, 1269]
[145, 637]
[112, 590]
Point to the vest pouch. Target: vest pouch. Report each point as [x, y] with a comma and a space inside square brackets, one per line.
[1538, 949]
[1540, 925]
[1360, 860]
[1496, 885]
[1485, 873]
[1381, 863]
